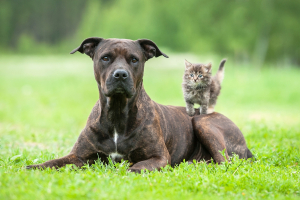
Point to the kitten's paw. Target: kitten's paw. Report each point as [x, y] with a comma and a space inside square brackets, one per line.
[191, 113]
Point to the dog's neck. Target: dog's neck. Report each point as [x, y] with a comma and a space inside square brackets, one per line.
[118, 110]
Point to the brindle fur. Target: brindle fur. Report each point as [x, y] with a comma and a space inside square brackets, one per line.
[201, 90]
[150, 135]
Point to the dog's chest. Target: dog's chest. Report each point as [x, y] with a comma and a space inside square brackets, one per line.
[119, 146]
[116, 155]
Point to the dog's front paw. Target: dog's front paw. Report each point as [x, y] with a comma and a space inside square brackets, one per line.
[135, 170]
[33, 167]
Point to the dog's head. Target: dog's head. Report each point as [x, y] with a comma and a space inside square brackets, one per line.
[119, 63]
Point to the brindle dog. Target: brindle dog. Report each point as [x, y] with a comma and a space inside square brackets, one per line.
[126, 124]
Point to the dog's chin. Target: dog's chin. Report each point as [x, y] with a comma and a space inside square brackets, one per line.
[119, 92]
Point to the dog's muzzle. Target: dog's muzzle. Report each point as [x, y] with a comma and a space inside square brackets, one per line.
[120, 82]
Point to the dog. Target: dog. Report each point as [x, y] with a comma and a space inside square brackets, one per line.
[126, 124]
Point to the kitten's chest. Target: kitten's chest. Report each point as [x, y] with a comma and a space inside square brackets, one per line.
[196, 96]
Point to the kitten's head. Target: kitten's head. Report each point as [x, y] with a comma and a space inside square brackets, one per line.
[197, 74]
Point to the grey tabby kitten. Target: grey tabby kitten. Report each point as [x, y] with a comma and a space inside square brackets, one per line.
[199, 87]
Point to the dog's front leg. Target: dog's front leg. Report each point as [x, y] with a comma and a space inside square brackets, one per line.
[150, 164]
[83, 152]
[60, 162]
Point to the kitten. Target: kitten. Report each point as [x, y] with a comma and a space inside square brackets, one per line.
[199, 87]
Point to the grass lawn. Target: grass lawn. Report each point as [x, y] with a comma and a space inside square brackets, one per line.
[45, 102]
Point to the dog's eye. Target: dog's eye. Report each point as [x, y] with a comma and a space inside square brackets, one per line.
[105, 58]
[134, 60]
[191, 75]
[200, 75]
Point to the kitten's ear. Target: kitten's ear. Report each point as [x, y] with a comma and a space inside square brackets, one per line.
[188, 64]
[208, 67]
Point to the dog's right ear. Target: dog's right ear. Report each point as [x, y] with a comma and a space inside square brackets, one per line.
[88, 46]
[150, 49]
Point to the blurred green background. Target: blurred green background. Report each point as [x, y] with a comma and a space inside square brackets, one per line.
[256, 31]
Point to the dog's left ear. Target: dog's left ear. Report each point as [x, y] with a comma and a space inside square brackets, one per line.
[150, 49]
[88, 46]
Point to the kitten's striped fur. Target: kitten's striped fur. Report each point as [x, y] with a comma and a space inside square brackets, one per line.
[199, 87]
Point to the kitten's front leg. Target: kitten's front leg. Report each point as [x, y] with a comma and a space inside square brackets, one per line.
[203, 109]
[190, 108]
[204, 105]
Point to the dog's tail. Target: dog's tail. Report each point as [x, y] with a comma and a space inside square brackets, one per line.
[220, 73]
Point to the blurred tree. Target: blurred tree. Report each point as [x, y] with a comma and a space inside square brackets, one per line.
[257, 30]
[47, 21]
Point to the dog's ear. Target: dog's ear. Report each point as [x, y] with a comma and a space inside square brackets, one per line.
[88, 46]
[150, 49]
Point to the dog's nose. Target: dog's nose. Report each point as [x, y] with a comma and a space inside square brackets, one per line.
[120, 74]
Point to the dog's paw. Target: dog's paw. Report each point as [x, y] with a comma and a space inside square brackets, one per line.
[32, 167]
[135, 170]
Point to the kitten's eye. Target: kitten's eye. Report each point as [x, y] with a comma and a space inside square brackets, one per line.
[191, 75]
[134, 60]
[200, 75]
[105, 58]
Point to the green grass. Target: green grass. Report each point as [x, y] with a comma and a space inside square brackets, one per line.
[45, 102]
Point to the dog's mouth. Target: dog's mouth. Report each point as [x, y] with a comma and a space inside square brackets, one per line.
[119, 89]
